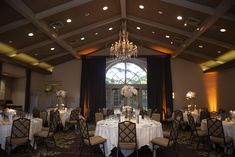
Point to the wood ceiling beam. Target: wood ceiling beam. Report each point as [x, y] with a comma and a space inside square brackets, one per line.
[69, 34]
[90, 27]
[123, 8]
[104, 40]
[220, 11]
[170, 46]
[44, 14]
[140, 37]
[179, 31]
[53, 57]
[61, 8]
[197, 7]
[20, 7]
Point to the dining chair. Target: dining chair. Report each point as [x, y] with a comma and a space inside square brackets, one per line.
[43, 116]
[47, 133]
[163, 142]
[99, 116]
[19, 134]
[55, 115]
[149, 112]
[178, 115]
[216, 134]
[204, 115]
[127, 136]
[92, 142]
[73, 119]
[196, 134]
[156, 117]
[213, 114]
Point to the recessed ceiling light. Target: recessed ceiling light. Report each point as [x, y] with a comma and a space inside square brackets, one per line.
[87, 14]
[167, 36]
[172, 43]
[96, 33]
[179, 17]
[30, 34]
[160, 12]
[198, 28]
[185, 24]
[218, 51]
[10, 41]
[200, 46]
[153, 32]
[141, 6]
[52, 48]
[68, 20]
[54, 27]
[222, 30]
[105, 8]
[82, 38]
[110, 28]
[138, 28]
[35, 54]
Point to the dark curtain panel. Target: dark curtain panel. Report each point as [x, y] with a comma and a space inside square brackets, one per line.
[27, 90]
[159, 83]
[92, 90]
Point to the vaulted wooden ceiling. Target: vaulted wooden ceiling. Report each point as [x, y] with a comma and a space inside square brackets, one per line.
[198, 37]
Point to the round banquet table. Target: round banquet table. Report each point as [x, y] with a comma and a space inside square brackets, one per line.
[146, 130]
[5, 130]
[64, 114]
[229, 128]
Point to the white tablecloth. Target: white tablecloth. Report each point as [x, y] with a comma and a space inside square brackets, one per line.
[229, 128]
[64, 114]
[5, 130]
[146, 130]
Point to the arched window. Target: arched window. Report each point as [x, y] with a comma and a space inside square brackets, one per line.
[126, 73]
[121, 73]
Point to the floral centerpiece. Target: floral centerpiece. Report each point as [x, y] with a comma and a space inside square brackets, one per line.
[128, 91]
[61, 94]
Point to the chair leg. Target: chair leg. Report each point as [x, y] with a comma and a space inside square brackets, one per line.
[103, 149]
[175, 150]
[137, 153]
[81, 149]
[117, 152]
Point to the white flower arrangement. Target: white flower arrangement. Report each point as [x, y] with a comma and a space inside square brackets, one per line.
[128, 91]
[61, 93]
[190, 95]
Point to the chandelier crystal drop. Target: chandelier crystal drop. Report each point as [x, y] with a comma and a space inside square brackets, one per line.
[123, 49]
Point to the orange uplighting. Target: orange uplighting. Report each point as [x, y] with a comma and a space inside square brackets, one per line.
[210, 80]
[86, 106]
[161, 49]
[87, 51]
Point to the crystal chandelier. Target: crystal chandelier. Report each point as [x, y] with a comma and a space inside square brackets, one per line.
[123, 49]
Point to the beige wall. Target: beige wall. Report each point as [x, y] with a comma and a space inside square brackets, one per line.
[187, 76]
[226, 89]
[65, 76]
[17, 83]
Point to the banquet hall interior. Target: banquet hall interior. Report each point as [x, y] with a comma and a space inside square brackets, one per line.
[117, 78]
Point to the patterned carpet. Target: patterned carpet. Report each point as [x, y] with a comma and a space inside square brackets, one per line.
[68, 144]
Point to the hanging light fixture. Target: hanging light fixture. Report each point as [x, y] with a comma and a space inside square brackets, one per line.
[123, 49]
